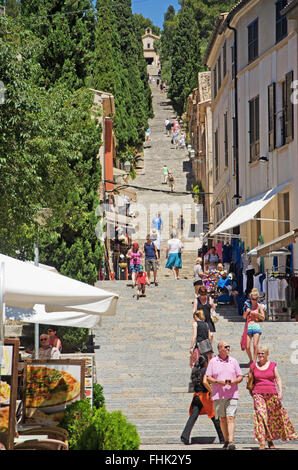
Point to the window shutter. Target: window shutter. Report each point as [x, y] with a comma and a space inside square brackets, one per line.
[271, 117]
[257, 127]
[251, 130]
[289, 114]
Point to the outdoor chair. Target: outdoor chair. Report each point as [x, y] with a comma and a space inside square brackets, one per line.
[53, 432]
[41, 444]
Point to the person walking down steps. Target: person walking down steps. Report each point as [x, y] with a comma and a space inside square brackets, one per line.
[201, 403]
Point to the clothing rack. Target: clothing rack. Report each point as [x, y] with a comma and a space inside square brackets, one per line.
[276, 274]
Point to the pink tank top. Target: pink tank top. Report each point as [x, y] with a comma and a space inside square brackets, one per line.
[264, 379]
[135, 258]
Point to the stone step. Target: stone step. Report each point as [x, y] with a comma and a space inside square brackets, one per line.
[142, 362]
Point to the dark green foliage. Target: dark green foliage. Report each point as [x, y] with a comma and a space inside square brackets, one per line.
[185, 57]
[98, 397]
[66, 31]
[183, 43]
[134, 66]
[143, 23]
[109, 431]
[48, 159]
[77, 417]
[94, 428]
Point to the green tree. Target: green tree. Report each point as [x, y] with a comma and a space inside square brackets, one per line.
[135, 64]
[66, 30]
[166, 43]
[143, 23]
[48, 159]
[185, 59]
[110, 74]
[12, 8]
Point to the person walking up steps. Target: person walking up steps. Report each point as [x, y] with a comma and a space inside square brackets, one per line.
[165, 174]
[173, 254]
[171, 181]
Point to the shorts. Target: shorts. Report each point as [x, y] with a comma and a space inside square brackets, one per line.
[151, 265]
[225, 407]
[134, 268]
[254, 329]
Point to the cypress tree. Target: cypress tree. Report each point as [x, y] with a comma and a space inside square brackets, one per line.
[66, 32]
[134, 62]
[185, 59]
[110, 75]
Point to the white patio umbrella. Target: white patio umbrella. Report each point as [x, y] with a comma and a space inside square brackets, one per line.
[24, 285]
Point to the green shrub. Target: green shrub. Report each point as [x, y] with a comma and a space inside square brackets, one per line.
[98, 398]
[76, 419]
[109, 431]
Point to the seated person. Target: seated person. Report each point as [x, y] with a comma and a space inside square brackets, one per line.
[46, 351]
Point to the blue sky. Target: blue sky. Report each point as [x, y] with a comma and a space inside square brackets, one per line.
[154, 9]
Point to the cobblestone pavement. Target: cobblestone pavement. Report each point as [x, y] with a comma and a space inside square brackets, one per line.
[142, 362]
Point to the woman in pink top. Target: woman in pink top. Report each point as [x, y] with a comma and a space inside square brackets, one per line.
[271, 420]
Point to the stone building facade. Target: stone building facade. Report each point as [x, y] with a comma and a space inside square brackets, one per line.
[253, 58]
[148, 46]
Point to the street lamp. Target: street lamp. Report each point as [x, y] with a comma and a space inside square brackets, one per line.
[127, 166]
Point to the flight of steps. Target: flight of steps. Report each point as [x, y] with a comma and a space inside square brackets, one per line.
[142, 362]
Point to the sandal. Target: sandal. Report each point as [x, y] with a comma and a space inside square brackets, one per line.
[262, 447]
[271, 446]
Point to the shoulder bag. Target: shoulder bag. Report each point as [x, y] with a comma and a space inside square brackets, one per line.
[250, 383]
[205, 346]
[214, 316]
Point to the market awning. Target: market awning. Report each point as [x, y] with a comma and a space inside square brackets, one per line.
[276, 244]
[247, 210]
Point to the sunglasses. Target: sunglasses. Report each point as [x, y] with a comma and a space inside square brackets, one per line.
[227, 347]
[50, 331]
[43, 339]
[261, 354]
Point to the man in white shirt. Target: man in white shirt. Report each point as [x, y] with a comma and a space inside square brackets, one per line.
[46, 351]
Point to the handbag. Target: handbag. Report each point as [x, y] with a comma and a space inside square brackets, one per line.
[205, 346]
[243, 341]
[214, 316]
[250, 383]
[194, 356]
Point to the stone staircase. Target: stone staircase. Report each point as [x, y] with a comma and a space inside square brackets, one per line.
[143, 358]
